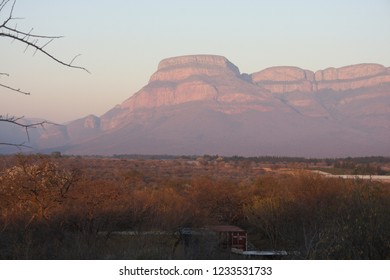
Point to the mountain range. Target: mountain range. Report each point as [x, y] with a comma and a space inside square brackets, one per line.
[203, 104]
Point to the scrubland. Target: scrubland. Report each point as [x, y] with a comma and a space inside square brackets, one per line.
[56, 207]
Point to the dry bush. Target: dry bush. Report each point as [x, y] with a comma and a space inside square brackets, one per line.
[48, 210]
[322, 218]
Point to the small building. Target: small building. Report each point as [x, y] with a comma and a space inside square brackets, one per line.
[204, 241]
[230, 237]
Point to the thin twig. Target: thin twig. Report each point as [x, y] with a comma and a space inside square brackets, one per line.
[17, 121]
[15, 89]
[29, 39]
[40, 49]
[29, 34]
[19, 146]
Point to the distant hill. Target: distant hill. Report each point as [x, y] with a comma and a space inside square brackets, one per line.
[202, 104]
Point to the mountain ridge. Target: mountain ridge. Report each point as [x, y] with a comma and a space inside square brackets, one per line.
[203, 104]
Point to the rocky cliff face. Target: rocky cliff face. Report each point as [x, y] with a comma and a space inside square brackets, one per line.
[293, 79]
[203, 104]
[284, 79]
[214, 78]
[359, 71]
[183, 67]
[183, 79]
[197, 78]
[352, 77]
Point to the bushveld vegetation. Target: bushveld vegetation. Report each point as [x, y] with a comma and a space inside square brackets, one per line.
[54, 207]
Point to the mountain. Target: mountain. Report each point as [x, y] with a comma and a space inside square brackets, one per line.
[202, 104]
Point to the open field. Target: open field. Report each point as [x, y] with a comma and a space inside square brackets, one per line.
[55, 207]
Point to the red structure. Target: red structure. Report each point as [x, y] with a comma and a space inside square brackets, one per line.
[231, 237]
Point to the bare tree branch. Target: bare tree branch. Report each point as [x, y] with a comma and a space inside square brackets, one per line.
[11, 88]
[34, 45]
[19, 146]
[17, 121]
[30, 40]
[15, 89]
[29, 34]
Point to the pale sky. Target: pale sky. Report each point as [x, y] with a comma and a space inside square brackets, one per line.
[122, 42]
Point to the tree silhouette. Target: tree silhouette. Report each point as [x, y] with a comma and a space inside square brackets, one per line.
[31, 40]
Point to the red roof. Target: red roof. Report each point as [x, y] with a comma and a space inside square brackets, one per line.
[226, 228]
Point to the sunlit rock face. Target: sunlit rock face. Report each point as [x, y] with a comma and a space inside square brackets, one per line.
[183, 67]
[197, 78]
[351, 72]
[284, 79]
[293, 79]
[202, 104]
[352, 77]
[184, 79]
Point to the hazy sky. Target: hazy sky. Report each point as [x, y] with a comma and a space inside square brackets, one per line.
[122, 42]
